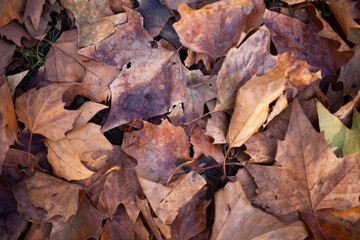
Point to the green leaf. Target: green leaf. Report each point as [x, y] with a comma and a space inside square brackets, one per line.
[337, 134]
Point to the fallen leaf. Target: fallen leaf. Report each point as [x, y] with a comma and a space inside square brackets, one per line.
[42, 111]
[240, 64]
[79, 145]
[146, 211]
[191, 220]
[157, 148]
[155, 15]
[33, 10]
[131, 48]
[202, 144]
[293, 36]
[337, 134]
[344, 113]
[217, 27]
[253, 99]
[7, 50]
[120, 227]
[64, 65]
[87, 111]
[234, 216]
[10, 10]
[38, 231]
[84, 225]
[334, 224]
[14, 80]
[217, 125]
[347, 23]
[55, 196]
[119, 185]
[179, 196]
[94, 19]
[349, 74]
[195, 4]
[307, 176]
[14, 32]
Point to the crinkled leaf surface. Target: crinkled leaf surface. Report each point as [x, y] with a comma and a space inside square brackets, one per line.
[217, 27]
[42, 111]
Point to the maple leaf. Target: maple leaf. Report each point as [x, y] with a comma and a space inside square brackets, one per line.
[253, 99]
[141, 90]
[307, 175]
[231, 210]
[119, 185]
[219, 26]
[14, 32]
[55, 196]
[337, 134]
[157, 148]
[79, 145]
[42, 111]
[64, 65]
[94, 19]
[293, 36]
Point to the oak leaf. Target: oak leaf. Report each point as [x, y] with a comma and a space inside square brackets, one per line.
[307, 176]
[217, 27]
[234, 216]
[337, 134]
[42, 111]
[14, 32]
[158, 147]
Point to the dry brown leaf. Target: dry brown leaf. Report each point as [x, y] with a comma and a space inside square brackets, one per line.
[33, 10]
[141, 90]
[349, 74]
[64, 65]
[183, 191]
[191, 220]
[240, 64]
[94, 19]
[10, 10]
[202, 144]
[216, 28]
[55, 196]
[14, 32]
[119, 228]
[88, 110]
[85, 224]
[334, 224]
[234, 216]
[42, 111]
[300, 39]
[157, 148]
[347, 23]
[344, 113]
[7, 51]
[146, 211]
[14, 80]
[118, 185]
[8, 123]
[79, 145]
[155, 15]
[194, 4]
[38, 231]
[253, 99]
[217, 125]
[307, 175]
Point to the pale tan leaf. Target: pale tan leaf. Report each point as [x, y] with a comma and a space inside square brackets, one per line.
[88, 110]
[14, 80]
[42, 111]
[236, 218]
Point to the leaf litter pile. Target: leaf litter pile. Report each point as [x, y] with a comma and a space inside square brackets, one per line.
[179, 119]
